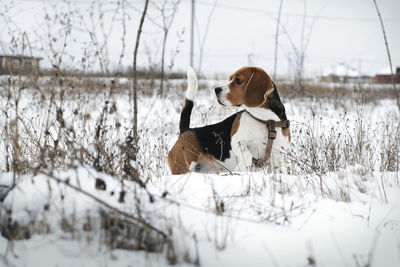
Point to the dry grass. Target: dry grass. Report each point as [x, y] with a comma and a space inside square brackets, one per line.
[337, 92]
[56, 130]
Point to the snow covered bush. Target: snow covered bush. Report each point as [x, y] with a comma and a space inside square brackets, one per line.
[76, 178]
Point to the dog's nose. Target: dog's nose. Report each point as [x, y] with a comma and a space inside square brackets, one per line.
[218, 90]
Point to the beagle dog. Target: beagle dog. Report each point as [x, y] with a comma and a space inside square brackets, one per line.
[239, 142]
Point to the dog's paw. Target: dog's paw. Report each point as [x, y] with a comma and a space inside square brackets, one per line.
[258, 163]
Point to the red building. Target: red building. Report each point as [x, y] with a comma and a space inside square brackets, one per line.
[387, 78]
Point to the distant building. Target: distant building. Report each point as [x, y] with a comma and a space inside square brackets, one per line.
[331, 78]
[387, 78]
[17, 64]
[343, 73]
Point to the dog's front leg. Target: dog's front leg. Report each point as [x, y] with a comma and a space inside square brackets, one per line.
[245, 158]
[277, 161]
[278, 152]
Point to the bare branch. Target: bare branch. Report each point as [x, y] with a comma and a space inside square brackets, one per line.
[388, 53]
[139, 32]
[203, 41]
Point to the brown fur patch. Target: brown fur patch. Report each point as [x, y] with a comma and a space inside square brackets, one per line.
[235, 125]
[256, 88]
[185, 150]
[255, 82]
[236, 91]
[286, 132]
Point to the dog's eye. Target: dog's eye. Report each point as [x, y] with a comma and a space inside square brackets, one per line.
[238, 81]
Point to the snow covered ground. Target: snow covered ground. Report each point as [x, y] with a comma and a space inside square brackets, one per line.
[266, 220]
[324, 212]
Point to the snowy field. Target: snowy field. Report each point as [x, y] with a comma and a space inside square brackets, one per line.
[337, 205]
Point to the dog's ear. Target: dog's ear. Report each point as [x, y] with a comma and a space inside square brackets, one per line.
[256, 88]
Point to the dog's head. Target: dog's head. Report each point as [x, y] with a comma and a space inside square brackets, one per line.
[252, 87]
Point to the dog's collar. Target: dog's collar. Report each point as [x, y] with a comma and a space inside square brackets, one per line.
[282, 124]
[262, 113]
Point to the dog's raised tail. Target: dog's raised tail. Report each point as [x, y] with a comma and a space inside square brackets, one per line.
[191, 92]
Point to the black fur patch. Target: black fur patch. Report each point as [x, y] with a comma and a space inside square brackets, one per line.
[276, 105]
[215, 139]
[184, 122]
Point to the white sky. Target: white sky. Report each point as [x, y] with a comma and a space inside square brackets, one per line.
[240, 33]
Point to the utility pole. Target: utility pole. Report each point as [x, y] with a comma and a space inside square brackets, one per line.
[276, 39]
[192, 35]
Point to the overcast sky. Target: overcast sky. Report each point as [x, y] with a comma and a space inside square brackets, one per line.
[240, 33]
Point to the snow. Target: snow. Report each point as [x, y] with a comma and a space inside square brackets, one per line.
[347, 217]
[260, 226]
[59, 247]
[297, 223]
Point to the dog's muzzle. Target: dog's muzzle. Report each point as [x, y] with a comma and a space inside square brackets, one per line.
[218, 91]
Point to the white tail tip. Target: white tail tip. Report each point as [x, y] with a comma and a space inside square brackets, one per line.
[192, 84]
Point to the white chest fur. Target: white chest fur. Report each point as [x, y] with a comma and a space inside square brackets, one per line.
[251, 138]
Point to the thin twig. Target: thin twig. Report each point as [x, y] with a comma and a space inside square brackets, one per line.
[139, 32]
[203, 41]
[276, 38]
[388, 53]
